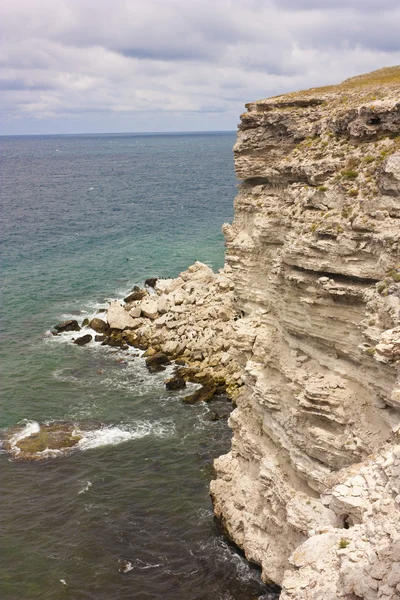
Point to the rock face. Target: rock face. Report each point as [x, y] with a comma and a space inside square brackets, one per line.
[311, 487]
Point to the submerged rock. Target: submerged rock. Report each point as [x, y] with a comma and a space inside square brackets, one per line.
[34, 442]
[71, 325]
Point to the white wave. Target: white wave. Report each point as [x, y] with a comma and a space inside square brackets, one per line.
[30, 428]
[125, 566]
[86, 488]
[114, 435]
[144, 566]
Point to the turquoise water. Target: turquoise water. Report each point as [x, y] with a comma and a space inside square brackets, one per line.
[84, 218]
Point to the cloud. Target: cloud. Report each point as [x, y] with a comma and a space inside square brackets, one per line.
[134, 65]
[336, 5]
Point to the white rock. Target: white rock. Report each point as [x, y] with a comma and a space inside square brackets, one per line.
[118, 318]
[149, 309]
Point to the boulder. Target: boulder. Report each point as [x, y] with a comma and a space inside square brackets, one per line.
[118, 318]
[134, 340]
[175, 383]
[149, 309]
[157, 362]
[151, 282]
[163, 303]
[99, 338]
[149, 352]
[85, 322]
[84, 339]
[99, 325]
[71, 325]
[187, 373]
[116, 339]
[135, 295]
[204, 394]
[135, 312]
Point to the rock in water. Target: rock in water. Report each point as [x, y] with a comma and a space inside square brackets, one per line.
[204, 394]
[175, 383]
[85, 339]
[151, 282]
[99, 325]
[157, 362]
[71, 325]
[47, 440]
[135, 295]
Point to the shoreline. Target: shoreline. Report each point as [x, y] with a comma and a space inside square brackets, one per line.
[189, 321]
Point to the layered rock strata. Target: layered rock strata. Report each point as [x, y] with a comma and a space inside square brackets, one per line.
[311, 487]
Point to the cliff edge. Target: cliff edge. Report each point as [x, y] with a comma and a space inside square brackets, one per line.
[311, 487]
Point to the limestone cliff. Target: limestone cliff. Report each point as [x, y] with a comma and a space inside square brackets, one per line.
[311, 487]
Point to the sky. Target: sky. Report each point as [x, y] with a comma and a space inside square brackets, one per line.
[92, 66]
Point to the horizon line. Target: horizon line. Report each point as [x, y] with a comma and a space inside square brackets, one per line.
[188, 132]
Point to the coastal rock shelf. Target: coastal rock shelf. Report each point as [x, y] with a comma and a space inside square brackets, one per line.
[310, 489]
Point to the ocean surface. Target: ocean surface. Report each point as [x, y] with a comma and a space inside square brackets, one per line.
[127, 516]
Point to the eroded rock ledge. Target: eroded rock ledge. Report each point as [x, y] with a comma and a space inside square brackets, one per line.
[311, 487]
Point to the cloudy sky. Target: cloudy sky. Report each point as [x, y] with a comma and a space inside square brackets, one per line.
[70, 66]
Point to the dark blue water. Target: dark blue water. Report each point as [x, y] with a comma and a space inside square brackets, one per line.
[84, 218]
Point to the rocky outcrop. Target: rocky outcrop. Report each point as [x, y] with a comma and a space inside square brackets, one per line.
[310, 489]
[192, 318]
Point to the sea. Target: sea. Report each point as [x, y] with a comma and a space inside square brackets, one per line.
[84, 218]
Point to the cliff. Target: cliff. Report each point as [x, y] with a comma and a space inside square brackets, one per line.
[311, 487]
[302, 328]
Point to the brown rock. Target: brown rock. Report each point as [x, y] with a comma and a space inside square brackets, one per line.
[71, 325]
[135, 295]
[157, 362]
[149, 352]
[204, 394]
[84, 339]
[99, 325]
[151, 282]
[175, 383]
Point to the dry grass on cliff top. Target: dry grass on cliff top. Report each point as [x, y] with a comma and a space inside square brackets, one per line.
[369, 86]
